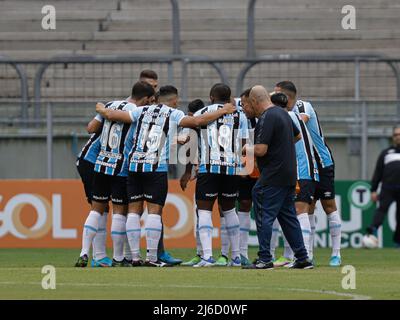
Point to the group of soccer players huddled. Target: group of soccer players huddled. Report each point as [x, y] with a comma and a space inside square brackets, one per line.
[135, 140]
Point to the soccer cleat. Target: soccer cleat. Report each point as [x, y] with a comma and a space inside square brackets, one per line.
[137, 263]
[192, 262]
[126, 263]
[121, 264]
[282, 261]
[222, 261]
[259, 264]
[289, 265]
[244, 261]
[205, 263]
[167, 258]
[82, 262]
[335, 261]
[102, 263]
[237, 262]
[158, 263]
[304, 264]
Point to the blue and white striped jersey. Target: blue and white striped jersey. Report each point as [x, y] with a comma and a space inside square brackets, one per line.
[91, 148]
[306, 165]
[113, 154]
[155, 129]
[323, 154]
[251, 123]
[221, 142]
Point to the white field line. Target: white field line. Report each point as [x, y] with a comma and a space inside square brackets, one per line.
[128, 285]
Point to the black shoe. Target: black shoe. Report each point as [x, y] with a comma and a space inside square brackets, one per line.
[157, 263]
[259, 264]
[137, 263]
[127, 263]
[304, 264]
[121, 264]
[82, 262]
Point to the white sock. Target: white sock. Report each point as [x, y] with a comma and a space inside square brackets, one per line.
[225, 243]
[287, 251]
[335, 229]
[274, 238]
[118, 232]
[311, 218]
[244, 222]
[233, 230]
[133, 235]
[199, 249]
[127, 249]
[99, 241]
[89, 231]
[305, 230]
[205, 232]
[153, 229]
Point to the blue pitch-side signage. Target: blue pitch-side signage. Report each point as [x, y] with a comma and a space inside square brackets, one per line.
[353, 199]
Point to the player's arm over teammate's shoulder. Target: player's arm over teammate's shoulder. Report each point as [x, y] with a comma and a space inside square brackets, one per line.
[204, 118]
[113, 115]
[305, 110]
[95, 125]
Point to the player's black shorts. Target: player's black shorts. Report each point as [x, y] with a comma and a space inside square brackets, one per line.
[149, 186]
[86, 171]
[307, 191]
[245, 187]
[325, 188]
[106, 187]
[209, 186]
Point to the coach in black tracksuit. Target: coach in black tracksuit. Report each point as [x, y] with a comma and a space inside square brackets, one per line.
[387, 171]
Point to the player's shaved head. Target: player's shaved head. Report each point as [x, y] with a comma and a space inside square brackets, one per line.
[259, 94]
[259, 100]
[220, 92]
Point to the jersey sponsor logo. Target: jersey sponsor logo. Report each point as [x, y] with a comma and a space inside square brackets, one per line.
[106, 164]
[222, 163]
[108, 154]
[152, 113]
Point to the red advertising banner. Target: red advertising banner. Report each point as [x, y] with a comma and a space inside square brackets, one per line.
[51, 213]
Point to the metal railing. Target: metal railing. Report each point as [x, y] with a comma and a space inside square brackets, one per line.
[356, 122]
[346, 76]
[55, 92]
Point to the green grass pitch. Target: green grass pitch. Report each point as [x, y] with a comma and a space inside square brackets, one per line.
[377, 277]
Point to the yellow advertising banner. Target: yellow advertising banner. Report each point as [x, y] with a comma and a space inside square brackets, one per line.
[51, 213]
